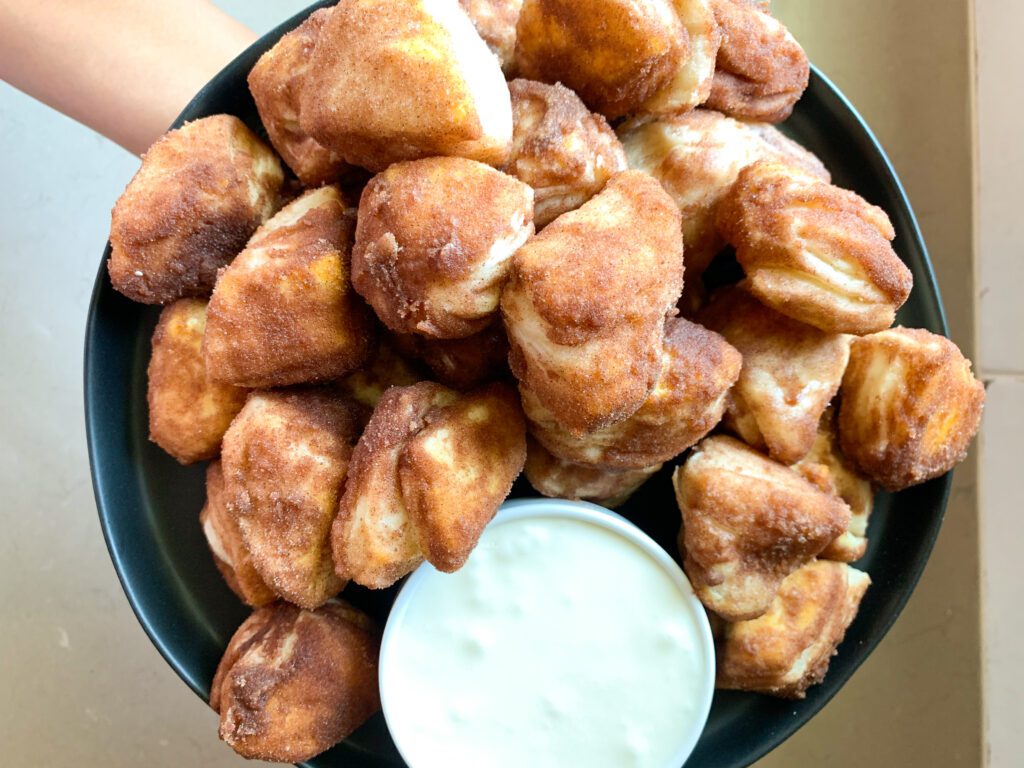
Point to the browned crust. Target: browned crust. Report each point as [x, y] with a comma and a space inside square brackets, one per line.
[748, 522]
[294, 683]
[456, 472]
[285, 459]
[788, 649]
[688, 400]
[697, 158]
[200, 193]
[832, 472]
[284, 312]
[586, 304]
[791, 371]
[373, 539]
[462, 364]
[559, 479]
[423, 251]
[910, 406]
[188, 411]
[690, 84]
[385, 85]
[813, 251]
[613, 53]
[496, 21]
[429, 472]
[276, 86]
[223, 536]
[761, 70]
[565, 152]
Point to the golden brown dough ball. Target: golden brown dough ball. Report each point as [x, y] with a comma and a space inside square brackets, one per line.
[586, 304]
[293, 683]
[690, 85]
[202, 190]
[276, 85]
[698, 368]
[761, 70]
[559, 479]
[456, 471]
[392, 81]
[813, 251]
[188, 411]
[285, 459]
[697, 157]
[284, 311]
[429, 472]
[788, 649]
[832, 472]
[791, 371]
[496, 20]
[465, 363]
[434, 244]
[910, 406]
[565, 152]
[225, 541]
[613, 53]
[748, 522]
[386, 368]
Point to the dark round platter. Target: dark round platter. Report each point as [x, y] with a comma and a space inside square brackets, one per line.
[149, 505]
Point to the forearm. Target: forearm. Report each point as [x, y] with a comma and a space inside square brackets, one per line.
[125, 68]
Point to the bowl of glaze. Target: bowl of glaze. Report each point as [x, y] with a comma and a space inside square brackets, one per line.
[570, 637]
[149, 505]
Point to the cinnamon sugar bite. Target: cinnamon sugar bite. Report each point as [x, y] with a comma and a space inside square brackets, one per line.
[787, 650]
[691, 82]
[429, 472]
[284, 311]
[565, 152]
[434, 244]
[201, 191]
[585, 307]
[791, 371]
[910, 406]
[812, 251]
[223, 536]
[285, 459]
[189, 412]
[827, 467]
[613, 53]
[761, 71]
[293, 683]
[399, 81]
[748, 522]
[276, 85]
[698, 368]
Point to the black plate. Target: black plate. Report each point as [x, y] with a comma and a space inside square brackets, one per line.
[149, 505]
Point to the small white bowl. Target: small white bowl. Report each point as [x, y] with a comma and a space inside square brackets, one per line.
[391, 688]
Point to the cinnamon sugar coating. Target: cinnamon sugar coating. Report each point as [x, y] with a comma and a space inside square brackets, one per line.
[748, 522]
[285, 461]
[910, 406]
[293, 683]
[788, 649]
[284, 311]
[201, 191]
[189, 412]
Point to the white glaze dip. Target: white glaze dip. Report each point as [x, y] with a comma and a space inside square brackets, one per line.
[569, 638]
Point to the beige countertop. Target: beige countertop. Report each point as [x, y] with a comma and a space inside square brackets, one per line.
[82, 685]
